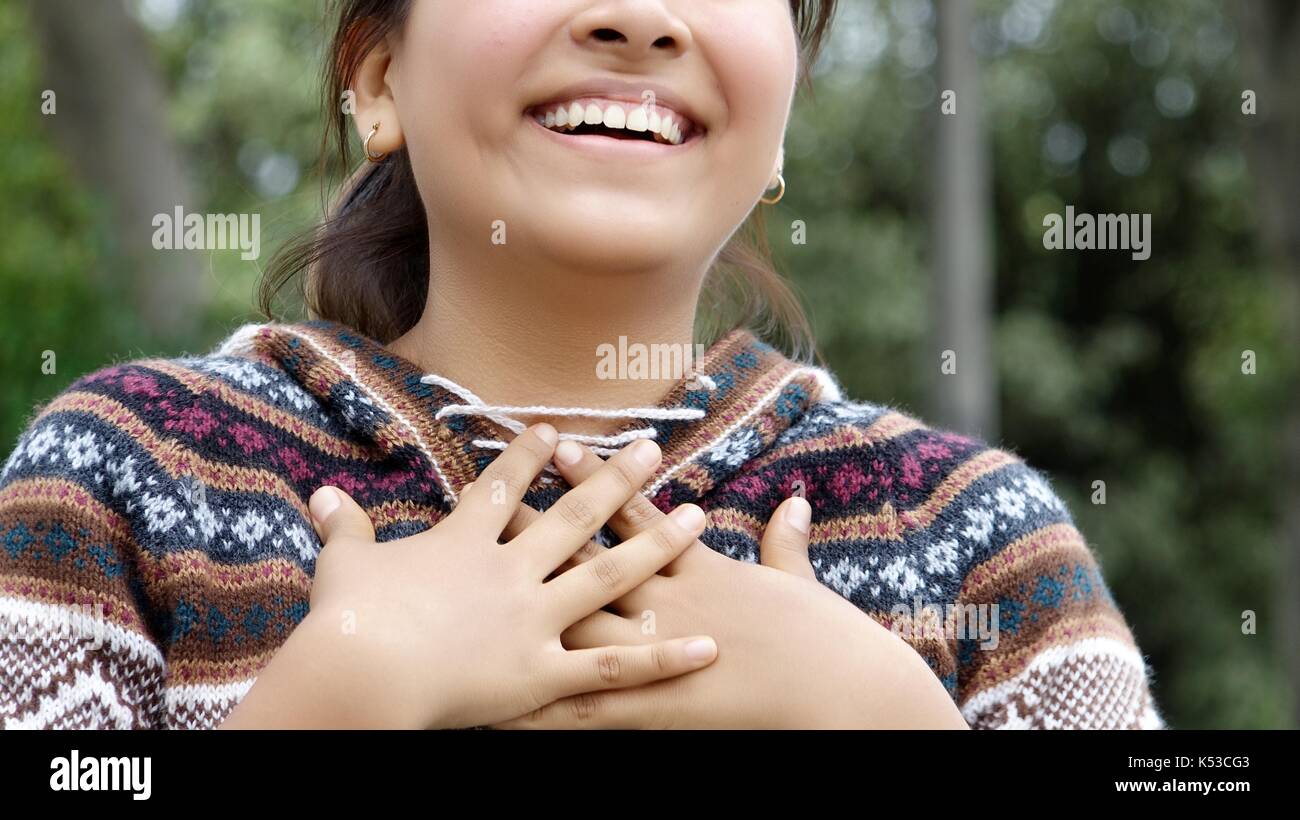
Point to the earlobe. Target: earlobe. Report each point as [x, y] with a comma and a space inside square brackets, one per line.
[379, 130]
[778, 170]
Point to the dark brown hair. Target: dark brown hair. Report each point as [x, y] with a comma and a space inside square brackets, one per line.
[368, 267]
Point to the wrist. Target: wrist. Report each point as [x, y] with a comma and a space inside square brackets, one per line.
[352, 676]
[316, 680]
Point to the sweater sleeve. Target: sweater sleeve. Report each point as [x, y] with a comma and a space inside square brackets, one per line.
[75, 648]
[1060, 654]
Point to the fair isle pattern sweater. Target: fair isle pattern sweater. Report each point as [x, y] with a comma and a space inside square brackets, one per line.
[156, 550]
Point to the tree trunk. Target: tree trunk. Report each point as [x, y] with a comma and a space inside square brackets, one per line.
[110, 121]
[1271, 55]
[962, 257]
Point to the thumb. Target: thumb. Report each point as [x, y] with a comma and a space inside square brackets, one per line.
[785, 541]
[336, 515]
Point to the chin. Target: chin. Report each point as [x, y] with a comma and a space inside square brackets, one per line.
[617, 243]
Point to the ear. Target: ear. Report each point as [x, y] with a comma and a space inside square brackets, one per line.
[375, 102]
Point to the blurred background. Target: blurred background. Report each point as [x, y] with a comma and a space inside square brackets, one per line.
[1172, 380]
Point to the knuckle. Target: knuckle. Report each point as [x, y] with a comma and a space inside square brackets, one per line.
[532, 445]
[607, 572]
[583, 706]
[793, 547]
[577, 513]
[664, 539]
[510, 478]
[609, 665]
[587, 552]
[629, 480]
[659, 656]
[639, 512]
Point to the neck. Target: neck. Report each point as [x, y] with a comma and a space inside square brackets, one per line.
[523, 333]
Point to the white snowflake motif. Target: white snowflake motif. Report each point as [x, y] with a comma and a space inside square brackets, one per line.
[250, 529]
[981, 524]
[295, 397]
[123, 475]
[161, 512]
[207, 521]
[82, 451]
[243, 373]
[855, 411]
[306, 543]
[845, 577]
[941, 558]
[829, 415]
[351, 399]
[1010, 503]
[1042, 493]
[902, 576]
[41, 443]
[14, 457]
[738, 449]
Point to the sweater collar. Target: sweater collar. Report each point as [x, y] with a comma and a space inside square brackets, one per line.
[752, 394]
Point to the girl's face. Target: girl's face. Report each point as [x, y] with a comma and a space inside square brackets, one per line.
[469, 80]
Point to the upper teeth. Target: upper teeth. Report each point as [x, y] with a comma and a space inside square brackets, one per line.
[624, 116]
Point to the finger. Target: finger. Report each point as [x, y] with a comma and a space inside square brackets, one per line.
[785, 541]
[634, 516]
[525, 516]
[492, 498]
[604, 629]
[637, 514]
[578, 514]
[335, 515]
[632, 604]
[643, 707]
[585, 673]
[615, 572]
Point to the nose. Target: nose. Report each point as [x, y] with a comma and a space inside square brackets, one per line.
[632, 29]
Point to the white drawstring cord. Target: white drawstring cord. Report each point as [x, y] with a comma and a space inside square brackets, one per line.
[503, 414]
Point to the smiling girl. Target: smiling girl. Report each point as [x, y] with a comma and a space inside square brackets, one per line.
[424, 508]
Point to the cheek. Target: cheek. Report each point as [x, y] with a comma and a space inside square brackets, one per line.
[754, 54]
[456, 75]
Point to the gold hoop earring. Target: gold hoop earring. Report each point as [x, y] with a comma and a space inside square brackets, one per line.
[780, 194]
[374, 129]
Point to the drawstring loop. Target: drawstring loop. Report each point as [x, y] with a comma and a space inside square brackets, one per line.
[503, 415]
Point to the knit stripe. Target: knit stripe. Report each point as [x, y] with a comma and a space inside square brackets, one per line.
[176, 461]
[62, 498]
[282, 421]
[1049, 541]
[889, 427]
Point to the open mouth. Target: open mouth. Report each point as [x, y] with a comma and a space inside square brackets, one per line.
[616, 120]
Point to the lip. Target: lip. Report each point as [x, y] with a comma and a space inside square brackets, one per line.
[610, 148]
[629, 92]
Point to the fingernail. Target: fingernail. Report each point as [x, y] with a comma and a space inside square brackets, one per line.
[701, 649]
[689, 517]
[568, 452]
[798, 514]
[646, 453]
[323, 502]
[546, 433]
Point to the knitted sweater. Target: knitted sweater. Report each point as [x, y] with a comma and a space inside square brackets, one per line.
[157, 549]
